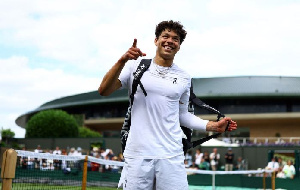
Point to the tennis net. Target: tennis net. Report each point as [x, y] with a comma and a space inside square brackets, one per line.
[47, 171]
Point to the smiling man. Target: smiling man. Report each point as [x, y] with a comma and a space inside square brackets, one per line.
[154, 157]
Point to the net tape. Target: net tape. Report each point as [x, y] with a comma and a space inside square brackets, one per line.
[228, 172]
[23, 153]
[117, 163]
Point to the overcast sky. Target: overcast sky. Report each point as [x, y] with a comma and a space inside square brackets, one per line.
[55, 48]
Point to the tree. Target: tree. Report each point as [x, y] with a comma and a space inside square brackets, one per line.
[7, 134]
[51, 123]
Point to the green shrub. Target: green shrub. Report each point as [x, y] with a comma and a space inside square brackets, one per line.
[86, 132]
[79, 119]
[51, 123]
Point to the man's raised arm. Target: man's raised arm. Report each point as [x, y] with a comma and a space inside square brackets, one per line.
[110, 81]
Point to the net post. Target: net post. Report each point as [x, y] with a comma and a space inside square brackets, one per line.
[264, 180]
[273, 180]
[84, 175]
[213, 181]
[8, 169]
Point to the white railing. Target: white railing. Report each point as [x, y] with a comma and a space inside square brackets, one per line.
[263, 140]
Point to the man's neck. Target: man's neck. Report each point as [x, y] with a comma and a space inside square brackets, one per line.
[163, 62]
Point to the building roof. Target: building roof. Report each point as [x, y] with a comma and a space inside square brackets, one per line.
[247, 86]
[203, 87]
[219, 87]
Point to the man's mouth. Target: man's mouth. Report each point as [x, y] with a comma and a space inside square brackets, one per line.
[168, 48]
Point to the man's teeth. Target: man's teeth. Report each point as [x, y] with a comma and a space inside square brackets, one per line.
[168, 48]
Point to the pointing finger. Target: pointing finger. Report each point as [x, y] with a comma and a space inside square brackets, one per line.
[134, 43]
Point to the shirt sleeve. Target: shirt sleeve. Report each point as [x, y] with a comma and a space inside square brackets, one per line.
[126, 74]
[188, 119]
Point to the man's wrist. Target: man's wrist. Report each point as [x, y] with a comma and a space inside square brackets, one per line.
[212, 126]
[122, 61]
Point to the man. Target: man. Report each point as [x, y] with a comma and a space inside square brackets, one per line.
[189, 157]
[38, 162]
[57, 151]
[72, 152]
[38, 149]
[273, 165]
[281, 163]
[57, 163]
[229, 157]
[240, 164]
[153, 155]
[214, 159]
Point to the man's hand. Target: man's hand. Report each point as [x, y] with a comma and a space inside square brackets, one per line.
[221, 125]
[132, 53]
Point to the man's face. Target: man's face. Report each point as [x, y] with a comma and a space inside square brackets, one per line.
[168, 44]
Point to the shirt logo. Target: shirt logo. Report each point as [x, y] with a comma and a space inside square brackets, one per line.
[175, 81]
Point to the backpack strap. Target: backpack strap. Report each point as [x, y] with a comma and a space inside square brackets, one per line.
[142, 67]
[187, 144]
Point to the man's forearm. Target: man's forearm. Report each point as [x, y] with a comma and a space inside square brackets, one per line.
[110, 81]
[218, 126]
[212, 126]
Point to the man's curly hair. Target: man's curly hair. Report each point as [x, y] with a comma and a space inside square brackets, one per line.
[171, 25]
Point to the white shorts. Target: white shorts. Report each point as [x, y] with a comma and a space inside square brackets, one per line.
[159, 174]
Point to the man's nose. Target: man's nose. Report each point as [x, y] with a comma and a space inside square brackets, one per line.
[170, 40]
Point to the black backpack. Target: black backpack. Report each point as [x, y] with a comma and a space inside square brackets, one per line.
[187, 142]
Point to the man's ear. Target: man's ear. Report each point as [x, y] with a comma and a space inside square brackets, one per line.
[155, 41]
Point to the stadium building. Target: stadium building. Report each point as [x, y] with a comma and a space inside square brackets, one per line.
[263, 106]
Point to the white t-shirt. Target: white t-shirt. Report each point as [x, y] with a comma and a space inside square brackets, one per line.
[155, 131]
[289, 170]
[198, 158]
[57, 152]
[273, 165]
[214, 158]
